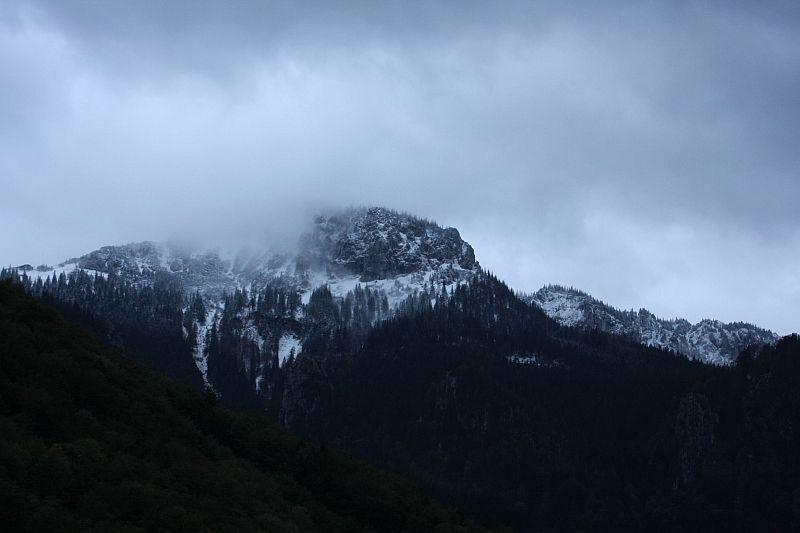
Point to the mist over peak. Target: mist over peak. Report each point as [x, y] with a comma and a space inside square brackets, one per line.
[631, 150]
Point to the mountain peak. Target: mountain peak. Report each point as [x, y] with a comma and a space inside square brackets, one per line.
[364, 245]
[380, 243]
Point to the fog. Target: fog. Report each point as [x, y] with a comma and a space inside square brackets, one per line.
[646, 152]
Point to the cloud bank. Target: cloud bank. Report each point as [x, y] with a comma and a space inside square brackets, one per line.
[644, 152]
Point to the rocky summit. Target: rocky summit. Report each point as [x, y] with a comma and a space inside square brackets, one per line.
[378, 243]
[358, 245]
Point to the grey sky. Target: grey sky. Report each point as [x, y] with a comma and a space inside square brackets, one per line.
[645, 152]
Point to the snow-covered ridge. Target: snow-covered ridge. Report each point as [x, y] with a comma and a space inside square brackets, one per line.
[710, 341]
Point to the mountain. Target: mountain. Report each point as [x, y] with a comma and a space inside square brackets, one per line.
[394, 254]
[710, 341]
[380, 335]
[500, 411]
[228, 319]
[94, 442]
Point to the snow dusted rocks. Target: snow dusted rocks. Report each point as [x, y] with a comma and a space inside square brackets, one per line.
[392, 253]
[377, 243]
[203, 270]
[710, 341]
[375, 247]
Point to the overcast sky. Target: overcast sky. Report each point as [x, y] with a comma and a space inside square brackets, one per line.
[648, 153]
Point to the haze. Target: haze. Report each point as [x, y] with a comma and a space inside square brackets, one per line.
[644, 152]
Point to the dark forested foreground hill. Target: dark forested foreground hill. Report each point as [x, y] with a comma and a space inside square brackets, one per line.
[89, 440]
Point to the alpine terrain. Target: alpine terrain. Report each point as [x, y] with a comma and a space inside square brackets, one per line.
[369, 260]
[381, 335]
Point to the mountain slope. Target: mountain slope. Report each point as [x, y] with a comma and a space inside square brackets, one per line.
[90, 440]
[371, 259]
[494, 406]
[243, 312]
[710, 341]
[500, 411]
[444, 373]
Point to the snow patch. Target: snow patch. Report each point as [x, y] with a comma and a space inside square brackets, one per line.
[200, 353]
[286, 344]
[521, 359]
[66, 269]
[563, 307]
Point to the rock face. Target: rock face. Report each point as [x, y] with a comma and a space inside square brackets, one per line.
[377, 243]
[710, 341]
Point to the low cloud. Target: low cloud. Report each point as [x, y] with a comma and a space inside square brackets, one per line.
[644, 153]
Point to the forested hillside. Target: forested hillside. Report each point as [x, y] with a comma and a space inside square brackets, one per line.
[92, 441]
[501, 412]
[481, 397]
